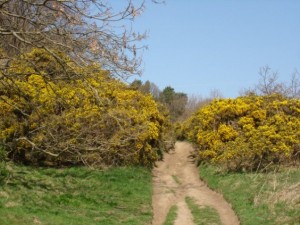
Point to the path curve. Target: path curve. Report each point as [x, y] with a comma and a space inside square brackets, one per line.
[177, 177]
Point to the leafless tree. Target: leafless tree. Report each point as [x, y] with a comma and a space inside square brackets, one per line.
[294, 86]
[194, 103]
[268, 83]
[215, 94]
[86, 30]
[154, 90]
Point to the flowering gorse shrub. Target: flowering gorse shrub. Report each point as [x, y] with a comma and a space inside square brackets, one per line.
[246, 133]
[91, 119]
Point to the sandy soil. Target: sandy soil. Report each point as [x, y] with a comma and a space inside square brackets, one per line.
[177, 177]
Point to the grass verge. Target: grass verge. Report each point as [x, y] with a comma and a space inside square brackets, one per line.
[76, 196]
[259, 198]
[172, 215]
[203, 215]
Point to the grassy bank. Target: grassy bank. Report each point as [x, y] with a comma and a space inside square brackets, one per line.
[76, 196]
[259, 198]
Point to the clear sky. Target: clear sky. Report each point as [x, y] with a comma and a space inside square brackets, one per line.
[196, 46]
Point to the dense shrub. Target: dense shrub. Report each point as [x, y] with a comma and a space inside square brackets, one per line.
[3, 170]
[246, 133]
[91, 118]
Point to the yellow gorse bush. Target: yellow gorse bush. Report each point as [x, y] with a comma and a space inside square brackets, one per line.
[91, 119]
[246, 133]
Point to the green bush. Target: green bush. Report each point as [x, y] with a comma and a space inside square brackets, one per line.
[3, 170]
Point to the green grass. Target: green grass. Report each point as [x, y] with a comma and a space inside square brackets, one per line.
[259, 198]
[176, 179]
[76, 196]
[172, 215]
[203, 215]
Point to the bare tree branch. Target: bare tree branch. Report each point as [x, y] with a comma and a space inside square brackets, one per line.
[87, 30]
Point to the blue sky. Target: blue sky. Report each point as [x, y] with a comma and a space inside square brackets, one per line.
[197, 46]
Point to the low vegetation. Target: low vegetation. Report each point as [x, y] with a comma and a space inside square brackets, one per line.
[76, 195]
[203, 215]
[176, 179]
[172, 215]
[259, 198]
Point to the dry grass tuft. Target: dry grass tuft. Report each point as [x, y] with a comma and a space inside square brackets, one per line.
[290, 195]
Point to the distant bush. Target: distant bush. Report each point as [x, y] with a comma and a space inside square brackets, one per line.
[3, 170]
[246, 133]
[92, 119]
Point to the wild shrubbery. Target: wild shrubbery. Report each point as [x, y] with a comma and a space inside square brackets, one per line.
[246, 133]
[58, 115]
[3, 170]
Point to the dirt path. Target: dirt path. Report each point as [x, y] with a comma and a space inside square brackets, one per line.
[176, 178]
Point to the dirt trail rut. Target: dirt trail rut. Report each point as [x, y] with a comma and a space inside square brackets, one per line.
[177, 177]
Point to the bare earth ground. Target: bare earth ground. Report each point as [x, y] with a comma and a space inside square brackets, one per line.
[177, 177]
